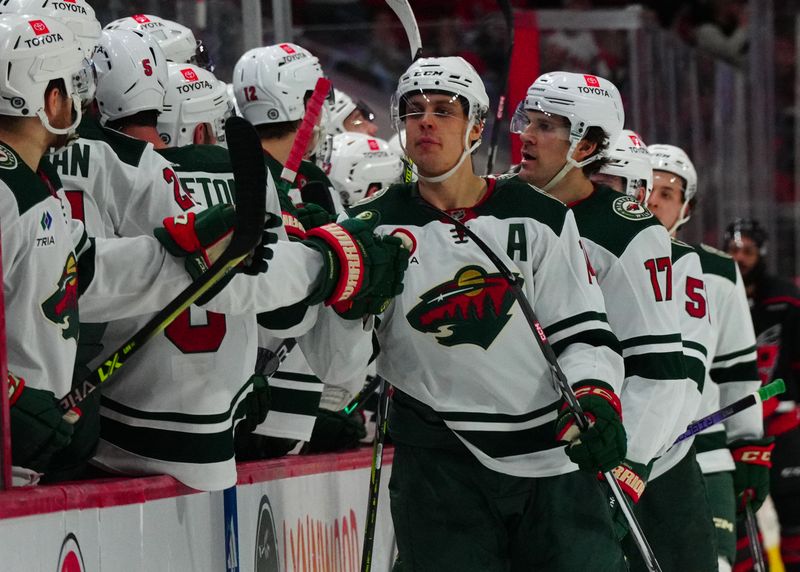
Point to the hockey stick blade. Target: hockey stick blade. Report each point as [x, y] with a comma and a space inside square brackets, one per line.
[515, 284]
[249, 173]
[406, 16]
[770, 390]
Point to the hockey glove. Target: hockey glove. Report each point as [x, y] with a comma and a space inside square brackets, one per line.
[312, 216]
[336, 431]
[753, 460]
[632, 478]
[255, 406]
[258, 261]
[357, 264]
[603, 445]
[38, 425]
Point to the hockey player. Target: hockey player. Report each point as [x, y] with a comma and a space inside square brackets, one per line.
[40, 108]
[775, 310]
[476, 419]
[362, 165]
[566, 123]
[200, 347]
[345, 115]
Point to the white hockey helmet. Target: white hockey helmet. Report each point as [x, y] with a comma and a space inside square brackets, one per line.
[362, 165]
[271, 83]
[77, 15]
[451, 75]
[672, 159]
[584, 100]
[131, 74]
[176, 40]
[194, 96]
[338, 110]
[629, 159]
[33, 52]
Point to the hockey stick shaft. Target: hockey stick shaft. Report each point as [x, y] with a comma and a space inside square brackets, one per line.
[361, 397]
[505, 7]
[770, 390]
[305, 131]
[751, 525]
[250, 188]
[561, 381]
[381, 423]
[406, 16]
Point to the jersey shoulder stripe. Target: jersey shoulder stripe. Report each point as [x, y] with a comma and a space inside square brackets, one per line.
[680, 249]
[24, 185]
[599, 220]
[716, 262]
[128, 149]
[203, 158]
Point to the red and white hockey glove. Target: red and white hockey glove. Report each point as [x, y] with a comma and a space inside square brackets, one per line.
[358, 265]
[603, 445]
[753, 460]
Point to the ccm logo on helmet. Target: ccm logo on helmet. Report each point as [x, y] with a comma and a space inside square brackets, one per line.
[69, 6]
[427, 73]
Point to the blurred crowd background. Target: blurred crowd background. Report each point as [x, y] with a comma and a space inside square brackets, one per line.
[716, 77]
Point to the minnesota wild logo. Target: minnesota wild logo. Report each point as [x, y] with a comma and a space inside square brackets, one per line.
[472, 308]
[61, 307]
[7, 158]
[628, 208]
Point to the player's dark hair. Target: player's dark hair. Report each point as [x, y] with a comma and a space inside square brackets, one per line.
[277, 130]
[597, 136]
[148, 118]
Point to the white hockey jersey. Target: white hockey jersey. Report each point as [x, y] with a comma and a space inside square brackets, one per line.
[629, 251]
[733, 373]
[457, 343]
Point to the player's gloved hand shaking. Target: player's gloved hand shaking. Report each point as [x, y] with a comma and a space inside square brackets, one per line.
[632, 479]
[39, 427]
[603, 445]
[362, 272]
[199, 237]
[753, 460]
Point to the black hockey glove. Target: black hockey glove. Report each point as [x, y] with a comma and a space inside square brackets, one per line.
[312, 216]
[258, 260]
[255, 406]
[336, 431]
[38, 425]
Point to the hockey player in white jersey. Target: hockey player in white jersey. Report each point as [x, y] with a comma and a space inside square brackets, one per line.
[723, 451]
[680, 493]
[566, 124]
[476, 419]
[40, 108]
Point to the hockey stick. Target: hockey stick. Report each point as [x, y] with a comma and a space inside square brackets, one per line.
[752, 538]
[249, 174]
[361, 396]
[381, 422]
[770, 390]
[505, 6]
[406, 15]
[560, 379]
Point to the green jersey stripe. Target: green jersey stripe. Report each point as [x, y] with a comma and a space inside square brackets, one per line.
[174, 446]
[292, 401]
[596, 338]
[650, 340]
[743, 372]
[292, 376]
[698, 347]
[726, 357]
[711, 441]
[498, 444]
[664, 366]
[573, 321]
[499, 417]
[696, 371]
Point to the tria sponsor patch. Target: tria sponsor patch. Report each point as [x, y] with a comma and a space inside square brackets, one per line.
[472, 308]
[628, 208]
